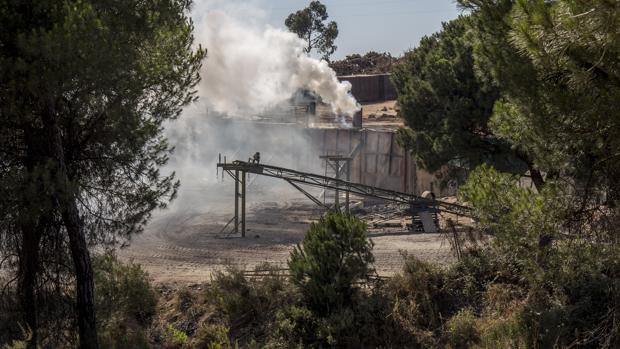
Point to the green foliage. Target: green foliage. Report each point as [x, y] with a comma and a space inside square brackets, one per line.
[212, 337]
[176, 338]
[110, 99]
[557, 68]
[366, 323]
[447, 105]
[467, 280]
[125, 302]
[522, 220]
[334, 254]
[124, 289]
[420, 298]
[295, 324]
[85, 89]
[502, 333]
[330, 310]
[250, 306]
[311, 26]
[568, 285]
[461, 330]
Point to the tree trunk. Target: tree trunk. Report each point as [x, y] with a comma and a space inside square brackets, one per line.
[535, 174]
[537, 178]
[31, 227]
[85, 289]
[28, 269]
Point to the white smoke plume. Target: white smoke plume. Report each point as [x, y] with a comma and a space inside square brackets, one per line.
[252, 67]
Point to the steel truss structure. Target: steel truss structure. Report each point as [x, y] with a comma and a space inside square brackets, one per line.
[238, 170]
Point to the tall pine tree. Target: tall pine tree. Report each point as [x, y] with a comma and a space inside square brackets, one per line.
[85, 87]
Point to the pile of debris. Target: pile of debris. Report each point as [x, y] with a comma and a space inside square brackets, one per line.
[370, 63]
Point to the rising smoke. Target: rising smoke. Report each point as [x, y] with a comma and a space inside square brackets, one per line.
[251, 68]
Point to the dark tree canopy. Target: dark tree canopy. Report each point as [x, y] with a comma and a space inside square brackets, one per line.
[311, 25]
[556, 64]
[447, 105]
[85, 87]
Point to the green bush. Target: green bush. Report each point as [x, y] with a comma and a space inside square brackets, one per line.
[327, 267]
[294, 325]
[502, 332]
[461, 331]
[563, 270]
[249, 306]
[125, 302]
[420, 299]
[334, 255]
[175, 338]
[212, 337]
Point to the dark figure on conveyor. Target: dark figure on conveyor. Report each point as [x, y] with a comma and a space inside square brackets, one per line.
[255, 159]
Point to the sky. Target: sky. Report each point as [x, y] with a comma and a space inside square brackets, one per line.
[392, 26]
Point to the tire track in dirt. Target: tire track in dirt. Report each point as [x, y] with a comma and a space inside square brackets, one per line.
[188, 248]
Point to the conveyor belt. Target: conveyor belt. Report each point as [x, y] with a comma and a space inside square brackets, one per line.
[320, 181]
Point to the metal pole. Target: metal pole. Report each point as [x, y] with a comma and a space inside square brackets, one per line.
[348, 180]
[243, 203]
[325, 190]
[337, 199]
[236, 201]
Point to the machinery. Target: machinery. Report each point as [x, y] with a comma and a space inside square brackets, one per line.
[422, 209]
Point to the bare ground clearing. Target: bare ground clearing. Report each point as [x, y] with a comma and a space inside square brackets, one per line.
[188, 248]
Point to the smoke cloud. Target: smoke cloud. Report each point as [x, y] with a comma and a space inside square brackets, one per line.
[252, 67]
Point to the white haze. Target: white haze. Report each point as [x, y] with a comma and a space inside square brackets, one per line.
[250, 69]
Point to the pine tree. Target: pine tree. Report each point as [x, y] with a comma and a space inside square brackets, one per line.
[447, 105]
[311, 25]
[557, 66]
[85, 87]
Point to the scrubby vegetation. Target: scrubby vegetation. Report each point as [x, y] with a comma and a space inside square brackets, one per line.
[519, 98]
[514, 291]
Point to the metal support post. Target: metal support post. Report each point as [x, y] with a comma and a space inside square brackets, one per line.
[348, 180]
[337, 199]
[236, 201]
[243, 179]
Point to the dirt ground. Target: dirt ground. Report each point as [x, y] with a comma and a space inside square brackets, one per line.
[189, 247]
[381, 114]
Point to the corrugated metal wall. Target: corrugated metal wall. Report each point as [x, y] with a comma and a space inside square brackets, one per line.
[371, 88]
[381, 162]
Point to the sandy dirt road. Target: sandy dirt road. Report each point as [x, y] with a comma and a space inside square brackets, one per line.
[188, 248]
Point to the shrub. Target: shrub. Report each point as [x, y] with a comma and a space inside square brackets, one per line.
[461, 331]
[502, 332]
[294, 325]
[250, 305]
[212, 337]
[176, 338]
[419, 295]
[334, 254]
[125, 303]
